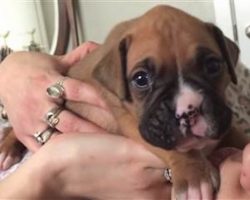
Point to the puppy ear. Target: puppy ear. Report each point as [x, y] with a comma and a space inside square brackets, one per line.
[229, 50]
[111, 71]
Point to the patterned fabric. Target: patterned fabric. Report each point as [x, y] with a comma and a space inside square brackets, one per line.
[238, 97]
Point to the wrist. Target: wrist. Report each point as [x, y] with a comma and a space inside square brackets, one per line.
[35, 179]
[45, 172]
[24, 184]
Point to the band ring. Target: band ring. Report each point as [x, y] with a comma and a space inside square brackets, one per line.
[51, 117]
[43, 136]
[168, 174]
[56, 91]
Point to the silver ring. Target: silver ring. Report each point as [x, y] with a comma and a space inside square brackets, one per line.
[3, 113]
[43, 136]
[168, 174]
[56, 91]
[51, 117]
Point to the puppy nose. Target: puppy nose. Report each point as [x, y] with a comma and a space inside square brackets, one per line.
[188, 103]
[188, 118]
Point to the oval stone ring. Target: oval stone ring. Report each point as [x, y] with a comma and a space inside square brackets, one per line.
[56, 91]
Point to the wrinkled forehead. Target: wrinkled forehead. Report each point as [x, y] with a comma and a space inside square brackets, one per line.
[168, 41]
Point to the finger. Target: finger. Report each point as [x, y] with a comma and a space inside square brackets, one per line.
[164, 191]
[161, 191]
[87, 111]
[245, 173]
[68, 122]
[230, 177]
[79, 91]
[76, 90]
[155, 175]
[31, 141]
[206, 191]
[77, 54]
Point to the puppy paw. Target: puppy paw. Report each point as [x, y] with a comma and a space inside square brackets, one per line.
[197, 181]
[11, 151]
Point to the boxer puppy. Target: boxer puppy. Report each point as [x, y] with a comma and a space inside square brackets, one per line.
[163, 76]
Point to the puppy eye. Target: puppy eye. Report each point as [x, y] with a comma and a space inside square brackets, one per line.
[212, 67]
[142, 80]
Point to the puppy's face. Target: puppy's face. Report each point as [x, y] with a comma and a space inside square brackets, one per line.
[176, 74]
[181, 109]
[172, 70]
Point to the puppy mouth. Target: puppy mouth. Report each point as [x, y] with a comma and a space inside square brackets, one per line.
[193, 122]
[195, 131]
[161, 128]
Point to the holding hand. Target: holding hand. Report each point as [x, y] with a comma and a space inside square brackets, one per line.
[96, 166]
[93, 165]
[235, 176]
[24, 78]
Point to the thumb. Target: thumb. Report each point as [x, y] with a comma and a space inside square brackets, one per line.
[230, 171]
[77, 54]
[79, 91]
[245, 172]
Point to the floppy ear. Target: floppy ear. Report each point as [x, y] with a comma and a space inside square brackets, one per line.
[111, 71]
[229, 50]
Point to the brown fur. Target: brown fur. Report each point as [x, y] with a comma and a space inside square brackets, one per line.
[102, 68]
[167, 34]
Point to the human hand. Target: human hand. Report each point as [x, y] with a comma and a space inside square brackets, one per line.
[24, 78]
[99, 166]
[235, 176]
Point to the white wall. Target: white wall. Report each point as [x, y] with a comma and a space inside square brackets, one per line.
[239, 11]
[223, 17]
[242, 11]
[20, 17]
[97, 17]
[48, 11]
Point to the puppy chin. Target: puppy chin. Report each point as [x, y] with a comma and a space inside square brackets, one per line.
[196, 136]
[199, 128]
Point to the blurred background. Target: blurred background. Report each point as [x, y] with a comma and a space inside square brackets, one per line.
[33, 24]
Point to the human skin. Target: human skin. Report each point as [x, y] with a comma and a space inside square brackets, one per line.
[235, 176]
[28, 73]
[24, 78]
[97, 166]
[130, 173]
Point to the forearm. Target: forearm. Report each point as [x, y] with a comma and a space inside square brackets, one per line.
[21, 184]
[32, 180]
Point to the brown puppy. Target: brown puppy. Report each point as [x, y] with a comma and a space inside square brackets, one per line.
[163, 76]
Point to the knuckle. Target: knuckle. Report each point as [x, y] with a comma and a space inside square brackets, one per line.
[72, 90]
[68, 122]
[65, 125]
